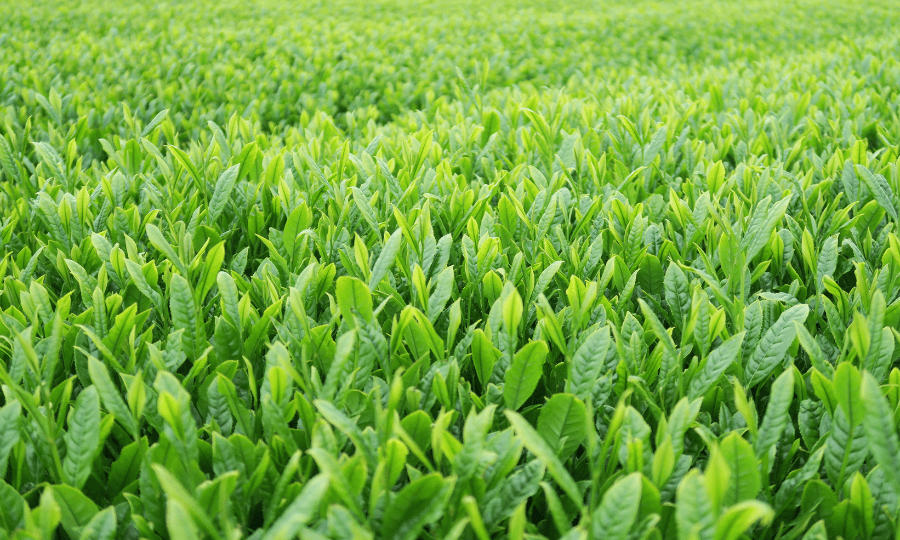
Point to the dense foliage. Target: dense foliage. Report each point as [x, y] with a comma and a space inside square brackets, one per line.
[396, 270]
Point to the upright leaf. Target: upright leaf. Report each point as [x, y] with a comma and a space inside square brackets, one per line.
[524, 374]
[693, 512]
[82, 438]
[618, 509]
[878, 419]
[537, 446]
[774, 344]
[222, 192]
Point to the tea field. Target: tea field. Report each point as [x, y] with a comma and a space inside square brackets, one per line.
[450, 270]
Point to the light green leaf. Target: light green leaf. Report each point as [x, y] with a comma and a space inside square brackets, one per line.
[82, 438]
[740, 517]
[175, 491]
[745, 481]
[184, 317]
[827, 261]
[300, 511]
[524, 374]
[587, 363]
[156, 238]
[774, 344]
[102, 526]
[484, 356]
[386, 259]
[816, 532]
[112, 400]
[693, 512]
[13, 508]
[880, 189]
[537, 446]
[421, 502]
[678, 294]
[715, 365]
[222, 192]
[885, 447]
[762, 224]
[618, 509]
[354, 299]
[9, 432]
[562, 423]
[75, 508]
[777, 418]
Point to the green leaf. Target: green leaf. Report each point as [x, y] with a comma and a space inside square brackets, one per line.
[880, 189]
[13, 508]
[140, 281]
[740, 517]
[712, 368]
[211, 266]
[658, 328]
[300, 510]
[816, 532]
[160, 243]
[618, 509]
[537, 446]
[774, 344]
[777, 417]
[484, 356]
[386, 259]
[562, 520]
[524, 374]
[512, 312]
[885, 447]
[813, 350]
[885, 500]
[881, 342]
[418, 426]
[421, 502]
[693, 512]
[157, 120]
[827, 261]
[761, 226]
[186, 162]
[354, 299]
[179, 522]
[562, 424]
[9, 432]
[184, 316]
[791, 488]
[861, 497]
[847, 382]
[745, 481]
[222, 192]
[678, 294]
[343, 423]
[443, 288]
[127, 467]
[501, 501]
[112, 400]
[82, 438]
[587, 363]
[228, 292]
[102, 526]
[76, 509]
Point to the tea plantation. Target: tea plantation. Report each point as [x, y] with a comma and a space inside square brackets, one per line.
[616, 270]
